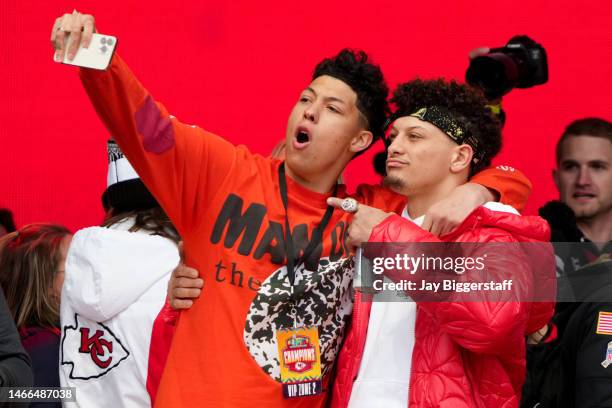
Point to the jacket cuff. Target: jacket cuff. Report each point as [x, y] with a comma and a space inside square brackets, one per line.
[511, 184]
[397, 229]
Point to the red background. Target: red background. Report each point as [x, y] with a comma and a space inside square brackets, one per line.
[236, 68]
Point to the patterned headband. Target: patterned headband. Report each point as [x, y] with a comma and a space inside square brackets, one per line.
[444, 120]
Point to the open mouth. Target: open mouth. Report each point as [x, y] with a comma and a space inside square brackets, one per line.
[302, 138]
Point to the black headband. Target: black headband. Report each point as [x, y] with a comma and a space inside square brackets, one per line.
[444, 120]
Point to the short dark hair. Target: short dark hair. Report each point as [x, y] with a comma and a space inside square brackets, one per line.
[366, 79]
[6, 220]
[465, 103]
[595, 127]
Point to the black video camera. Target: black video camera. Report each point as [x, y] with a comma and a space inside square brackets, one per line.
[521, 63]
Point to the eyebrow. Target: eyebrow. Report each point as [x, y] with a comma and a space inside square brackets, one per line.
[590, 162]
[598, 162]
[327, 98]
[565, 162]
[394, 129]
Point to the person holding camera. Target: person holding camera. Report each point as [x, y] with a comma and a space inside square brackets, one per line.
[521, 63]
[568, 359]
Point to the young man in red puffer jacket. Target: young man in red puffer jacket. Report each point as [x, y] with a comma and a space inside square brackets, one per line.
[452, 353]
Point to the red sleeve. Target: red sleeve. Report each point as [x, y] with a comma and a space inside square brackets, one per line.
[161, 339]
[484, 326]
[182, 165]
[511, 185]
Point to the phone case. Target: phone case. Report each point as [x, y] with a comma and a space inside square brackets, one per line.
[97, 56]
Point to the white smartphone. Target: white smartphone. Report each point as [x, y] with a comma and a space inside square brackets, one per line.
[97, 56]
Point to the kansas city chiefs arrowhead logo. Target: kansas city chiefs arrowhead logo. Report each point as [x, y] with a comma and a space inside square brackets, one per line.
[91, 348]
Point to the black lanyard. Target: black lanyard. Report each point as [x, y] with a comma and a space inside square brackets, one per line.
[317, 233]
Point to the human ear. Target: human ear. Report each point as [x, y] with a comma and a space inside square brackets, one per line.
[461, 158]
[361, 142]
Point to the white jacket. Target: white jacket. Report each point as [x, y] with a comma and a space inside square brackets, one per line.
[114, 287]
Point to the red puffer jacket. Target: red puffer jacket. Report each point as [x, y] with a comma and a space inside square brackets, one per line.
[466, 354]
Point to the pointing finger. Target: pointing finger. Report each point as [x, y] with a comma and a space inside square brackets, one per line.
[335, 202]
